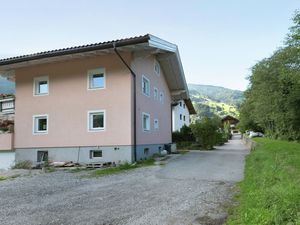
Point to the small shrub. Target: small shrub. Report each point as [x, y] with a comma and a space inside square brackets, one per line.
[184, 135]
[23, 165]
[183, 145]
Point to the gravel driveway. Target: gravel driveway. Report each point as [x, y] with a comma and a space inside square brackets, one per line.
[191, 189]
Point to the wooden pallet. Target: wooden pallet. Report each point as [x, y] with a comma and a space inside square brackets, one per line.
[99, 164]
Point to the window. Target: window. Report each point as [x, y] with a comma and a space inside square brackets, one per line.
[156, 124]
[183, 105]
[96, 79]
[95, 154]
[183, 118]
[146, 122]
[155, 94]
[180, 103]
[40, 124]
[180, 116]
[157, 68]
[96, 120]
[161, 97]
[40, 85]
[42, 156]
[146, 151]
[146, 86]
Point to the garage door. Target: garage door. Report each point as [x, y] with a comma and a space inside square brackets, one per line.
[7, 160]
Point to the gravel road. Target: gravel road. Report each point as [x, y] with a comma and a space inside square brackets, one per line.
[191, 189]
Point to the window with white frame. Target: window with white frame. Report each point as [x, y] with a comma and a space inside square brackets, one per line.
[156, 68]
[145, 86]
[96, 79]
[155, 94]
[40, 124]
[41, 85]
[156, 124]
[96, 120]
[161, 97]
[146, 121]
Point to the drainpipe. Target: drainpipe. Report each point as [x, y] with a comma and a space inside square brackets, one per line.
[134, 100]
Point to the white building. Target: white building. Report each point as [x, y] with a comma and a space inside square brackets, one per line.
[181, 112]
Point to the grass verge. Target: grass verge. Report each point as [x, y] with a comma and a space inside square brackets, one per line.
[3, 178]
[121, 168]
[270, 191]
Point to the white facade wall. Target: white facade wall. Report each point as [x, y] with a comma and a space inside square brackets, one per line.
[180, 116]
[7, 159]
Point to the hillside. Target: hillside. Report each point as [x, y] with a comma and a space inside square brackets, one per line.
[6, 87]
[211, 100]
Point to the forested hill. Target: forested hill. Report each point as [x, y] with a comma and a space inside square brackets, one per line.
[6, 87]
[211, 100]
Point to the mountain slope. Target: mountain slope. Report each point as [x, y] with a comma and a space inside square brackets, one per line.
[6, 87]
[211, 100]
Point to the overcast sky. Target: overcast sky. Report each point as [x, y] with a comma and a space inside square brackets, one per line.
[218, 41]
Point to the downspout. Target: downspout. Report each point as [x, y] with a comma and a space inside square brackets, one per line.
[134, 100]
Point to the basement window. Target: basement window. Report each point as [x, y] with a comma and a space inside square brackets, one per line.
[42, 156]
[95, 154]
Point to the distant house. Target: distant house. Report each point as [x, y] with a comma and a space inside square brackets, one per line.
[104, 102]
[231, 120]
[181, 112]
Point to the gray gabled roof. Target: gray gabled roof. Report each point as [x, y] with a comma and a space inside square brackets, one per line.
[167, 55]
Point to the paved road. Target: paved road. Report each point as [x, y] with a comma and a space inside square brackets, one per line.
[191, 189]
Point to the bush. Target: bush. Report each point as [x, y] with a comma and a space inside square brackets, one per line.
[184, 145]
[206, 132]
[184, 135]
[23, 165]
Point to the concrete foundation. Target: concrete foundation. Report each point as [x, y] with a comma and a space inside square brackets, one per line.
[82, 155]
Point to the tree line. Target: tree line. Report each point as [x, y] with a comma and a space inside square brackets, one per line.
[272, 100]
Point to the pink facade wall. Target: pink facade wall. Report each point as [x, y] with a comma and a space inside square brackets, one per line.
[69, 101]
[6, 141]
[144, 65]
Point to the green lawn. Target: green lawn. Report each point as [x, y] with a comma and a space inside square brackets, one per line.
[270, 192]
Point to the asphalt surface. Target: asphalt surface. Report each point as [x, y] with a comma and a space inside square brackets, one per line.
[190, 189]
